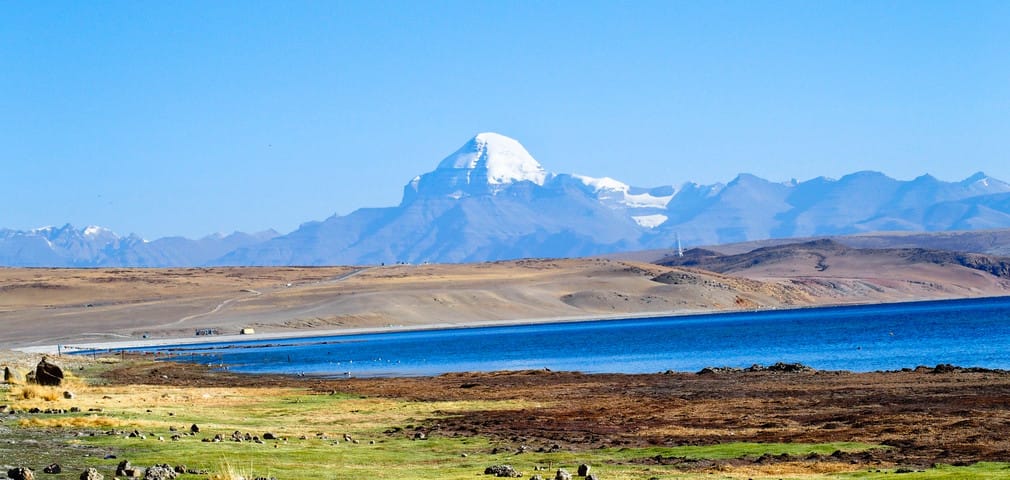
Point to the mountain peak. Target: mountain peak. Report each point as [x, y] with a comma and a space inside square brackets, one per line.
[495, 158]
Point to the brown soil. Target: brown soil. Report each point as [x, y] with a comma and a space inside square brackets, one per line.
[928, 415]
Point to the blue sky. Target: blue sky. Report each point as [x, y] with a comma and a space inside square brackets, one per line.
[190, 118]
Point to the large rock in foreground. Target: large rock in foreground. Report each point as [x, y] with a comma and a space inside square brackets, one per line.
[48, 374]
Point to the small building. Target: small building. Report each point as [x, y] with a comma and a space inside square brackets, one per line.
[247, 331]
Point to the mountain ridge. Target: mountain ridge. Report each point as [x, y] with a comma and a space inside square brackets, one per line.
[492, 200]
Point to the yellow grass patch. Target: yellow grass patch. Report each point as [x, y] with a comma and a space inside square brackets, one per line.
[90, 421]
[37, 392]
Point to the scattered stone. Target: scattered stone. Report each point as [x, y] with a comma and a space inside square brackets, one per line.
[591, 476]
[269, 436]
[180, 469]
[420, 436]
[48, 374]
[718, 370]
[505, 471]
[21, 473]
[68, 395]
[194, 428]
[91, 474]
[537, 477]
[347, 437]
[583, 470]
[781, 367]
[53, 468]
[562, 475]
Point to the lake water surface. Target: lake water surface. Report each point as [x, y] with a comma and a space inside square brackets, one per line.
[972, 332]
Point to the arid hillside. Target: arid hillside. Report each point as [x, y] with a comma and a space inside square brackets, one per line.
[74, 306]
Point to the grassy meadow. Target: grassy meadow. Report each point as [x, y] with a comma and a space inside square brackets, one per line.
[310, 442]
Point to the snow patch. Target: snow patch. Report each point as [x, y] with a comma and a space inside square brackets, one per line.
[649, 221]
[604, 183]
[605, 187]
[94, 230]
[646, 200]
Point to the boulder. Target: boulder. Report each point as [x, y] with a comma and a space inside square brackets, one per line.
[53, 468]
[160, 472]
[48, 374]
[504, 471]
[123, 468]
[21, 473]
[583, 470]
[591, 476]
[91, 474]
[194, 428]
[10, 376]
[68, 395]
[562, 475]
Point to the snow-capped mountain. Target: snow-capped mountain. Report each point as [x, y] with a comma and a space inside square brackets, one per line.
[94, 246]
[491, 200]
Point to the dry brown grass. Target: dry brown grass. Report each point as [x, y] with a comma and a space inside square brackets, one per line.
[37, 392]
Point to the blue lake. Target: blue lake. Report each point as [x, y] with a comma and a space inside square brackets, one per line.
[858, 338]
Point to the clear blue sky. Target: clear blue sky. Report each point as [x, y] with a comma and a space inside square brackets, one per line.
[190, 118]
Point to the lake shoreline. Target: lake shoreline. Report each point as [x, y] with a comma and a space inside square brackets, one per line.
[55, 349]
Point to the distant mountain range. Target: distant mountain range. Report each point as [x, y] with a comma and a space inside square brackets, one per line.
[491, 200]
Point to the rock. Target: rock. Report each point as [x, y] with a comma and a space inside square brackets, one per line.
[347, 438]
[91, 474]
[53, 468]
[123, 468]
[537, 477]
[505, 471]
[194, 428]
[562, 475]
[269, 436]
[21, 473]
[180, 469]
[68, 395]
[591, 476]
[160, 472]
[10, 376]
[420, 436]
[48, 374]
[583, 470]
